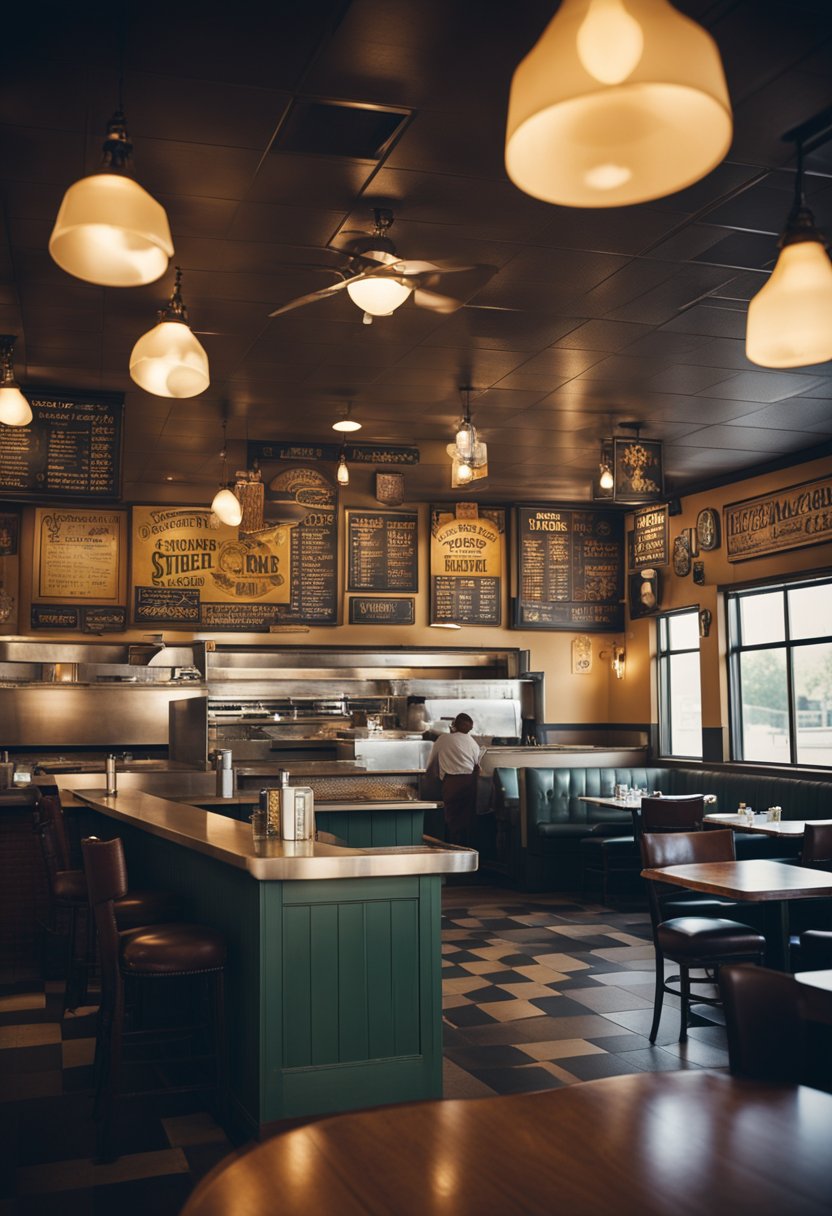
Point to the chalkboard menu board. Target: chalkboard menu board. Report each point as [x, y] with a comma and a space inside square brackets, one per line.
[570, 569]
[382, 551]
[70, 449]
[304, 500]
[466, 562]
[9, 571]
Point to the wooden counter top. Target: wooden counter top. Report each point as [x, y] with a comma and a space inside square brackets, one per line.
[231, 842]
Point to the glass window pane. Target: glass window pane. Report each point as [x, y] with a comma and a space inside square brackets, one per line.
[813, 699]
[762, 618]
[810, 611]
[684, 630]
[765, 706]
[685, 705]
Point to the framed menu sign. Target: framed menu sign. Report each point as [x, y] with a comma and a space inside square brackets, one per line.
[467, 543]
[9, 571]
[70, 449]
[787, 519]
[78, 574]
[570, 569]
[382, 551]
[651, 538]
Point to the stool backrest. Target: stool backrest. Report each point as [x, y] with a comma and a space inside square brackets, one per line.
[48, 824]
[106, 873]
[817, 844]
[766, 1027]
[671, 815]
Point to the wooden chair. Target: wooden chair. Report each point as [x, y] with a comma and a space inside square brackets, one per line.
[693, 942]
[817, 846]
[766, 1024]
[145, 958]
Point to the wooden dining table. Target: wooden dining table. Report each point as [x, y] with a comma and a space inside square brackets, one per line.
[755, 881]
[692, 1143]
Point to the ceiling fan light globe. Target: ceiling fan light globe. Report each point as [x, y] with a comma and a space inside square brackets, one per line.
[169, 361]
[227, 507]
[790, 318]
[378, 297]
[110, 231]
[15, 410]
[346, 424]
[597, 119]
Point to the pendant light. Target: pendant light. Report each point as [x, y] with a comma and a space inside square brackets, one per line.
[606, 477]
[109, 230]
[469, 455]
[619, 102]
[15, 410]
[169, 361]
[346, 423]
[226, 505]
[790, 318]
[343, 472]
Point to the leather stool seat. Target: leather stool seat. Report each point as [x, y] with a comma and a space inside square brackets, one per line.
[691, 938]
[172, 949]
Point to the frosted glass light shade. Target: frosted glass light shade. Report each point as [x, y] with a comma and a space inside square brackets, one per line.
[790, 318]
[343, 473]
[619, 102]
[169, 361]
[110, 231]
[227, 507]
[15, 410]
[378, 297]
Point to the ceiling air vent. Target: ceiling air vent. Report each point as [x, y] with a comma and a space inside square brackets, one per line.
[332, 128]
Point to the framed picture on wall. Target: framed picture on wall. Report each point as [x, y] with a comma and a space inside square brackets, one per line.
[639, 472]
[645, 593]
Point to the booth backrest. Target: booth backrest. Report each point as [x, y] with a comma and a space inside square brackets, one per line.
[507, 788]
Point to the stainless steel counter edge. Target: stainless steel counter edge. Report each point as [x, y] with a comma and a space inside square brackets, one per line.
[252, 797]
[231, 842]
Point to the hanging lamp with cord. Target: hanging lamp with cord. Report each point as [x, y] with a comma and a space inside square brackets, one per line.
[109, 230]
[15, 410]
[226, 505]
[169, 360]
[606, 477]
[343, 472]
[619, 102]
[468, 453]
[790, 317]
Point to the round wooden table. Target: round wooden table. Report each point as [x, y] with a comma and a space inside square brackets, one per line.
[686, 1143]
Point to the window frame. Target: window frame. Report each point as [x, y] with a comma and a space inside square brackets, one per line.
[736, 648]
[664, 655]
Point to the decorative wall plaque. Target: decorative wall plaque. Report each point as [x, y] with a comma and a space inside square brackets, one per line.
[651, 537]
[681, 555]
[639, 474]
[390, 489]
[645, 593]
[793, 518]
[581, 655]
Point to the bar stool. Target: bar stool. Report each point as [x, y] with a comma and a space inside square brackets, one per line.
[139, 959]
[68, 900]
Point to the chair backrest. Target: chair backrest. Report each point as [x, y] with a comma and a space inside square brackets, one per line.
[817, 843]
[767, 1030]
[659, 849]
[48, 825]
[670, 815]
[106, 872]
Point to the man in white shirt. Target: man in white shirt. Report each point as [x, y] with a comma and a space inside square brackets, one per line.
[456, 758]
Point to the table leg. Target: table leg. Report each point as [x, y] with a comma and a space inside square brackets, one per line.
[777, 935]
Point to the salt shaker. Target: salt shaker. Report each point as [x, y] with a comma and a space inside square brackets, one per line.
[110, 768]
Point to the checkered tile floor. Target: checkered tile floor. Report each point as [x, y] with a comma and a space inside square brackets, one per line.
[538, 992]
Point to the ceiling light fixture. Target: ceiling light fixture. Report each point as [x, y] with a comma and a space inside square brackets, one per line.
[343, 473]
[469, 455]
[347, 423]
[15, 410]
[606, 478]
[109, 230]
[226, 505]
[379, 297]
[790, 317]
[617, 103]
[169, 361]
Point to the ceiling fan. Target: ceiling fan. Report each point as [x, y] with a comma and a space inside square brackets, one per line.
[378, 281]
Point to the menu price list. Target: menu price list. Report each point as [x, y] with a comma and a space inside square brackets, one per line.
[69, 449]
[383, 551]
[304, 495]
[93, 618]
[465, 601]
[571, 569]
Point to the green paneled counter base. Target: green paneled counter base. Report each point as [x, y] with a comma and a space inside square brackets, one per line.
[333, 984]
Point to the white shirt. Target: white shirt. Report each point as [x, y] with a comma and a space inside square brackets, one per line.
[456, 753]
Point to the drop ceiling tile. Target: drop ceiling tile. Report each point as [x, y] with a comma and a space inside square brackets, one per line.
[197, 217]
[725, 178]
[749, 439]
[295, 225]
[663, 302]
[795, 414]
[709, 320]
[607, 336]
[761, 386]
[317, 181]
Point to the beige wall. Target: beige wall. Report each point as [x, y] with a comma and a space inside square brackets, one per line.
[637, 701]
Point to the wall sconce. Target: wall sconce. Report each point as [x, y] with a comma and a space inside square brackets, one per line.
[618, 659]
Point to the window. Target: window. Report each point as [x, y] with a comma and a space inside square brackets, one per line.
[780, 664]
[680, 696]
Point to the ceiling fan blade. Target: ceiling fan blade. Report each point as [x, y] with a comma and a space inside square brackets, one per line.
[323, 294]
[432, 292]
